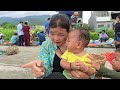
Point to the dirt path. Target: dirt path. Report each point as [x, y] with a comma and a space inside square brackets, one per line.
[10, 65]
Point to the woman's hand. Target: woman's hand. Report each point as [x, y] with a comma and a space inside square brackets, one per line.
[37, 68]
[79, 75]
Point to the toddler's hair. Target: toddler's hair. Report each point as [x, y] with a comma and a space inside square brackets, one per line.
[84, 35]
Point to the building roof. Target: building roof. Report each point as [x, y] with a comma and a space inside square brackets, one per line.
[115, 12]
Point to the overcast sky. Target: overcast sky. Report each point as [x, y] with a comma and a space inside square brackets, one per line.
[86, 14]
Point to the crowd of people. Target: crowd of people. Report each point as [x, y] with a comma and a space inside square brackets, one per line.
[22, 37]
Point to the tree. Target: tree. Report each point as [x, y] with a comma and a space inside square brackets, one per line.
[87, 27]
[7, 25]
[4, 23]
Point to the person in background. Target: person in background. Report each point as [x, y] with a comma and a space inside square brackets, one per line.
[68, 13]
[117, 31]
[26, 30]
[41, 37]
[1, 38]
[117, 40]
[35, 40]
[74, 19]
[14, 39]
[78, 24]
[103, 36]
[20, 33]
[47, 28]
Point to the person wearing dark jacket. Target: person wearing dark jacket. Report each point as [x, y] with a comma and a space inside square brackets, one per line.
[41, 37]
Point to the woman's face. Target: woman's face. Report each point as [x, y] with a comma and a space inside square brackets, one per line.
[116, 61]
[58, 35]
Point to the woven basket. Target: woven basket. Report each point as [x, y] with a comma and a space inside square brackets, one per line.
[11, 50]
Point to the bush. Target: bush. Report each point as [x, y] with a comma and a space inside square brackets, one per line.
[34, 31]
[8, 33]
[110, 33]
[7, 25]
[85, 26]
[94, 35]
[38, 29]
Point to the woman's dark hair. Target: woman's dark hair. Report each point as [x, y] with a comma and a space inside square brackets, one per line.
[60, 20]
[26, 23]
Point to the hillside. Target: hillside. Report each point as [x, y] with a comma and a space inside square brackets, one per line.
[31, 19]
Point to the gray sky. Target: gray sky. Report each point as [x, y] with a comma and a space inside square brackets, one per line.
[25, 13]
[86, 14]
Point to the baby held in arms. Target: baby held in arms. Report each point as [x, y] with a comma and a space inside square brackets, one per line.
[77, 41]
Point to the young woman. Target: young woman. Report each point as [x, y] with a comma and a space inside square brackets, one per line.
[51, 50]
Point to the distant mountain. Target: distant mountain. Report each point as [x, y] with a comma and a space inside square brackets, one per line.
[31, 19]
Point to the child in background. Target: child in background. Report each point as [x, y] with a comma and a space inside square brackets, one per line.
[78, 39]
[35, 40]
[78, 24]
[14, 39]
[1, 38]
[116, 60]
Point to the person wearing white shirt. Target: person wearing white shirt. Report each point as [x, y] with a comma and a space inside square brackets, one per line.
[20, 33]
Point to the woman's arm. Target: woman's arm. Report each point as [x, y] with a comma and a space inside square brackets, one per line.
[42, 67]
[79, 75]
[47, 52]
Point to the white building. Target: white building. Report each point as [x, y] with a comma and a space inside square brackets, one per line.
[100, 19]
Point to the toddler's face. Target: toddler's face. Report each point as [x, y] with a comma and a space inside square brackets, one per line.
[116, 62]
[117, 56]
[72, 41]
